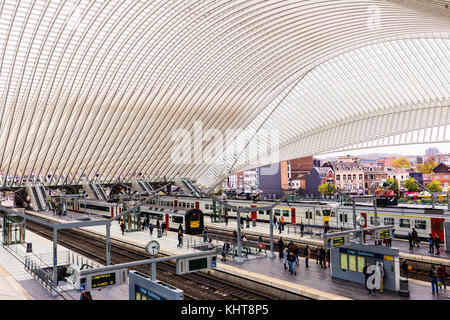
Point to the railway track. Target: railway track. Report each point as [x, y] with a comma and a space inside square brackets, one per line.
[419, 272]
[195, 285]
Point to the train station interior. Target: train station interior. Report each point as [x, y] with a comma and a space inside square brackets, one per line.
[225, 150]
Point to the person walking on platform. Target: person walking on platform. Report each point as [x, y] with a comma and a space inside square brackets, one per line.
[205, 235]
[410, 240]
[260, 244]
[302, 227]
[415, 237]
[437, 243]
[279, 227]
[150, 227]
[291, 260]
[442, 275]
[431, 244]
[307, 255]
[280, 248]
[122, 227]
[180, 239]
[274, 221]
[285, 260]
[180, 228]
[164, 227]
[434, 279]
[226, 218]
[366, 276]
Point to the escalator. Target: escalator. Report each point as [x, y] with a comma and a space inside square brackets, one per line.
[149, 187]
[100, 190]
[36, 197]
[93, 190]
[141, 184]
[44, 196]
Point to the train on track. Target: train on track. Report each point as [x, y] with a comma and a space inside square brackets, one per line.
[312, 213]
[190, 218]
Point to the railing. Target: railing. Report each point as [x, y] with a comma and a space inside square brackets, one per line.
[216, 241]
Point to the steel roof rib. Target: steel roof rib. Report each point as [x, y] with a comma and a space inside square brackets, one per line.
[96, 89]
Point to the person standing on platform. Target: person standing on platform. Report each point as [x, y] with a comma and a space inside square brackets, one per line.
[205, 235]
[410, 240]
[226, 218]
[122, 227]
[225, 248]
[307, 255]
[431, 244]
[260, 244]
[285, 260]
[302, 227]
[291, 260]
[434, 279]
[321, 257]
[180, 228]
[442, 275]
[415, 237]
[405, 268]
[279, 227]
[274, 221]
[282, 223]
[180, 239]
[157, 224]
[150, 227]
[366, 276]
[164, 227]
[280, 248]
[380, 272]
[437, 243]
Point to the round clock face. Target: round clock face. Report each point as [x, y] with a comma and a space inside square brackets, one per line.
[153, 247]
[361, 221]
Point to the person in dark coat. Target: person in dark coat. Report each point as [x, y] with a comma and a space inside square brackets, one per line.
[280, 248]
[302, 227]
[405, 268]
[434, 279]
[150, 227]
[437, 243]
[410, 240]
[180, 228]
[122, 227]
[225, 248]
[180, 239]
[322, 254]
[415, 236]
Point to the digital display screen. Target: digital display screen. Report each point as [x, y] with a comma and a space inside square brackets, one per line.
[384, 234]
[338, 241]
[197, 264]
[103, 280]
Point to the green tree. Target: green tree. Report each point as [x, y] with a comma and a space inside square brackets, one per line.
[427, 167]
[411, 185]
[395, 186]
[326, 188]
[401, 162]
[435, 186]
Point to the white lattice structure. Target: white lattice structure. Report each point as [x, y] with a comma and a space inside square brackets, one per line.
[95, 89]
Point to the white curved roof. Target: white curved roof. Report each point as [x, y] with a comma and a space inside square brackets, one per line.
[106, 90]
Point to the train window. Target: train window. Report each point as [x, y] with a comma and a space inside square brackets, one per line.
[420, 224]
[404, 223]
[345, 217]
[171, 203]
[177, 219]
[378, 220]
[206, 206]
[317, 213]
[286, 213]
[260, 212]
[192, 205]
[276, 212]
[340, 217]
[389, 221]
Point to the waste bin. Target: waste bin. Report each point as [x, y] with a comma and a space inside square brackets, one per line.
[404, 287]
[29, 247]
[159, 233]
[254, 223]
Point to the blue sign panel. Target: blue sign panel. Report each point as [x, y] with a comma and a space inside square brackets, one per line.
[83, 287]
[147, 293]
[362, 253]
[213, 264]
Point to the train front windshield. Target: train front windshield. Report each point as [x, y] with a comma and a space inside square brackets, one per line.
[195, 220]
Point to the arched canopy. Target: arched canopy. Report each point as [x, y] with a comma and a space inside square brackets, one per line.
[108, 90]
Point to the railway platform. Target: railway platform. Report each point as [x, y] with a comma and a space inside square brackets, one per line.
[262, 229]
[314, 282]
[17, 284]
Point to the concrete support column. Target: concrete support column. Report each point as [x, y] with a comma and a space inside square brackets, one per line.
[271, 254]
